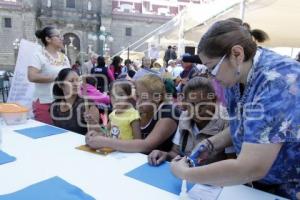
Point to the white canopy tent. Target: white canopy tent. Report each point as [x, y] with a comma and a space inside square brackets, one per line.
[174, 32]
[276, 17]
[133, 55]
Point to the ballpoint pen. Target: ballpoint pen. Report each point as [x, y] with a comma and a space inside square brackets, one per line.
[193, 158]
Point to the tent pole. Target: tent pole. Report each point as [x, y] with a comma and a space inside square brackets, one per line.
[148, 49]
[128, 53]
[242, 9]
[181, 36]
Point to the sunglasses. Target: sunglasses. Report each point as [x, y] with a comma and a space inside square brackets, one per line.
[215, 69]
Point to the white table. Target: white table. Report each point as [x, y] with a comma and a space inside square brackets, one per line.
[100, 176]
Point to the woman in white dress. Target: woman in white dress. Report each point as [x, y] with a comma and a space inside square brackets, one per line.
[45, 66]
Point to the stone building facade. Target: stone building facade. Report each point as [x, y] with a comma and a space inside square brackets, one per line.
[79, 21]
[83, 19]
[17, 20]
[127, 28]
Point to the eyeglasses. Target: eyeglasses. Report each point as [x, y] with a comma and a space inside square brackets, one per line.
[215, 69]
[58, 36]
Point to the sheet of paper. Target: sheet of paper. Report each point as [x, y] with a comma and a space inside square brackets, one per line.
[204, 192]
[41, 131]
[246, 193]
[158, 176]
[5, 158]
[50, 189]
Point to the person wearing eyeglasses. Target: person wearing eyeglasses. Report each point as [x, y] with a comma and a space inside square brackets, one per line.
[263, 103]
[43, 69]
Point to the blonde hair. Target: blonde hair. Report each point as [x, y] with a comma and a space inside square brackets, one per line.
[154, 85]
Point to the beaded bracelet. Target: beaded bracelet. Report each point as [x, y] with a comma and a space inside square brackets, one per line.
[210, 146]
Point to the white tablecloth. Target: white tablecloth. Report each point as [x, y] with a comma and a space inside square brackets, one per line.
[100, 176]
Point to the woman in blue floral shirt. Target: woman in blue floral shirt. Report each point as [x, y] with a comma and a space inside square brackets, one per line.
[263, 102]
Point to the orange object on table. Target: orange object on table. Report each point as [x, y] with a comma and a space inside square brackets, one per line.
[102, 151]
[13, 113]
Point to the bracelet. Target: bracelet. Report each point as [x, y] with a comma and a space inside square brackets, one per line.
[210, 145]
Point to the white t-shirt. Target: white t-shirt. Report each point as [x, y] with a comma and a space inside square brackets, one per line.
[170, 68]
[87, 67]
[201, 68]
[176, 138]
[43, 91]
[154, 53]
[176, 71]
[142, 72]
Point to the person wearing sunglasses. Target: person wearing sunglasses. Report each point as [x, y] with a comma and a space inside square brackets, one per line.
[43, 69]
[263, 102]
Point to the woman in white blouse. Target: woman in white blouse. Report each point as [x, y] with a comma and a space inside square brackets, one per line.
[44, 67]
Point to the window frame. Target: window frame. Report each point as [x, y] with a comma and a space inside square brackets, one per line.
[66, 4]
[128, 31]
[4, 22]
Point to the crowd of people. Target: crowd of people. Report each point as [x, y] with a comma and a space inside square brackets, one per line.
[235, 99]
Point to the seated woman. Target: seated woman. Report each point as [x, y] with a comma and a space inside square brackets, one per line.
[158, 121]
[199, 121]
[67, 111]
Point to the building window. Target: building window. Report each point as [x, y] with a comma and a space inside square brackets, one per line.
[70, 3]
[7, 22]
[128, 32]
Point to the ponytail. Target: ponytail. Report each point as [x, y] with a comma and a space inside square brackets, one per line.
[257, 34]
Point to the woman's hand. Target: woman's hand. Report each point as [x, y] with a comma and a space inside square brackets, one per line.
[179, 166]
[94, 139]
[156, 157]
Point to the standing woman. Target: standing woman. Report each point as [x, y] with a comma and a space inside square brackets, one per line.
[45, 66]
[116, 66]
[263, 102]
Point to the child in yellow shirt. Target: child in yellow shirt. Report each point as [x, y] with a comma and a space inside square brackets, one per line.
[124, 121]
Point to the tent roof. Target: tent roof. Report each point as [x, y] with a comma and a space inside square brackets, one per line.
[279, 18]
[133, 55]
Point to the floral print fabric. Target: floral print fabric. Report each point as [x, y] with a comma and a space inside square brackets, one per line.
[269, 112]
